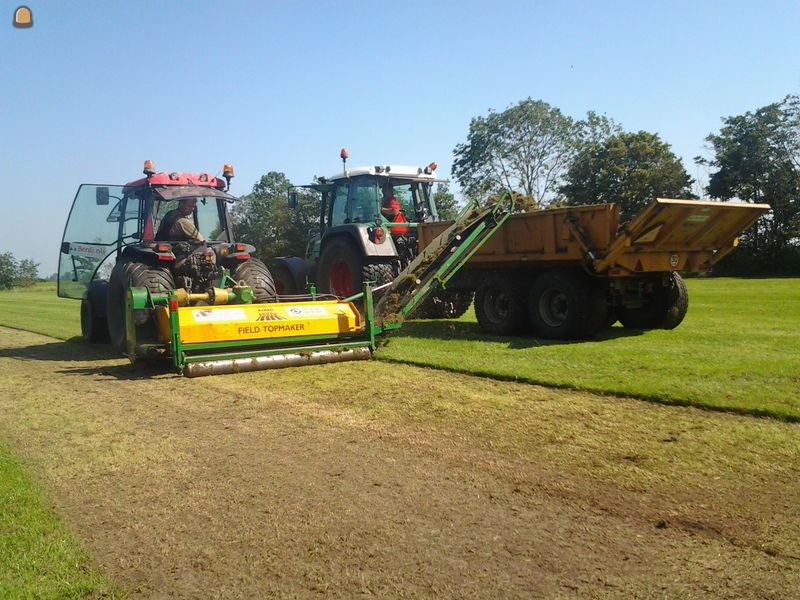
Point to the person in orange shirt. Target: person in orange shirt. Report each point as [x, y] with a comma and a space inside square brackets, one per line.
[391, 210]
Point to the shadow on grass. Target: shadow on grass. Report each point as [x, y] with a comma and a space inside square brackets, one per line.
[470, 331]
[72, 350]
[126, 371]
[76, 350]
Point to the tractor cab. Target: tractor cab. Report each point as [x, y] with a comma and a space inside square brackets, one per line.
[367, 226]
[125, 220]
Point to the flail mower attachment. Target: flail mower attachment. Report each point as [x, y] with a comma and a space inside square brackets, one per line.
[228, 338]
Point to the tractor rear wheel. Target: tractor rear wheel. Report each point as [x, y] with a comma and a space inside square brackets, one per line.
[500, 306]
[663, 308]
[255, 274]
[342, 270]
[94, 325]
[564, 304]
[125, 275]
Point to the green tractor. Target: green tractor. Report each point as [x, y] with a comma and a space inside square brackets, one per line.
[367, 231]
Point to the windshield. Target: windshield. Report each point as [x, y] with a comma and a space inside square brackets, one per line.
[206, 217]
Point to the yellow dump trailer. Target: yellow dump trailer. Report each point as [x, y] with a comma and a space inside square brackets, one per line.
[567, 272]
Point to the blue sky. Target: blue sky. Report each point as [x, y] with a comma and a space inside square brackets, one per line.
[95, 88]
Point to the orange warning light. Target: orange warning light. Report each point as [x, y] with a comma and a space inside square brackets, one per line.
[23, 17]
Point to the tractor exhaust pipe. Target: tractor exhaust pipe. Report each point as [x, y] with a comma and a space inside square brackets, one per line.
[275, 361]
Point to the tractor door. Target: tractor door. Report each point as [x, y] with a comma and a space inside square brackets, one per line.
[102, 219]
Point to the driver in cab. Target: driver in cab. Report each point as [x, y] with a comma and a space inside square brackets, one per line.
[178, 226]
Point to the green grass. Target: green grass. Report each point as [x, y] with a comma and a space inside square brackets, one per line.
[38, 556]
[38, 309]
[738, 349]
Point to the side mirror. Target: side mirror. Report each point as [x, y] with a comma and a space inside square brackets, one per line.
[292, 199]
[101, 196]
[64, 247]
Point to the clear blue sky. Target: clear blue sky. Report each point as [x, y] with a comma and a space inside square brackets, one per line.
[95, 88]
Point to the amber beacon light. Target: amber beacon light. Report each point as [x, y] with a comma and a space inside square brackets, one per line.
[23, 18]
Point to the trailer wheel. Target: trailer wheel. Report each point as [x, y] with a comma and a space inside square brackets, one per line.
[94, 324]
[664, 308]
[565, 305]
[500, 306]
[445, 304]
[125, 275]
[255, 274]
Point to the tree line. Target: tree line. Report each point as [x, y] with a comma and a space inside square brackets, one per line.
[552, 159]
[17, 273]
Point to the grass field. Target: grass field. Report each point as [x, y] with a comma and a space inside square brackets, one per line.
[738, 348]
[38, 556]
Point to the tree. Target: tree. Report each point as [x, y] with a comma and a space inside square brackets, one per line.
[27, 272]
[263, 218]
[15, 273]
[445, 201]
[8, 270]
[757, 157]
[628, 169]
[526, 149]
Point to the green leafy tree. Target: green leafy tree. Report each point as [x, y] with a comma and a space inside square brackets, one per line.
[445, 201]
[263, 218]
[628, 169]
[526, 149]
[8, 270]
[757, 157]
[27, 272]
[14, 273]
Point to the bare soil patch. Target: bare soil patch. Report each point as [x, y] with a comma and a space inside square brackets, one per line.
[329, 481]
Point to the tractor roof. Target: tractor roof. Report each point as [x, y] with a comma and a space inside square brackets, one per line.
[388, 171]
[164, 178]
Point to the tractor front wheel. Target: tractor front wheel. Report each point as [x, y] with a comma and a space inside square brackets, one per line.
[255, 274]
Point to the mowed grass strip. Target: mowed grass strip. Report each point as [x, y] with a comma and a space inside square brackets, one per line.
[37, 308]
[39, 558]
[738, 348]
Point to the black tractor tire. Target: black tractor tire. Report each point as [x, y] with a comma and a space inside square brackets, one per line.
[254, 273]
[445, 304]
[566, 304]
[342, 270]
[125, 275]
[500, 306]
[94, 324]
[284, 282]
[665, 308]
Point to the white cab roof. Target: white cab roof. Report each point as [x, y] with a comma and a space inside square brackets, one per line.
[399, 171]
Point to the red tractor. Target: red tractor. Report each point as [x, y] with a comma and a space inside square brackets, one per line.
[126, 221]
